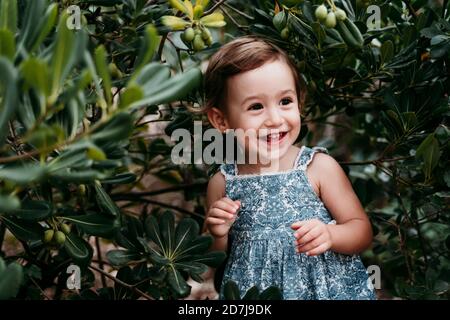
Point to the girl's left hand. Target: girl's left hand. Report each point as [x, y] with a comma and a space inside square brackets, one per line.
[313, 237]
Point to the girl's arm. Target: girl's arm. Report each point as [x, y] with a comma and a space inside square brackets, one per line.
[352, 232]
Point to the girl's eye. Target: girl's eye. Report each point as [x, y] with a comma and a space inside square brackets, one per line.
[256, 106]
[286, 101]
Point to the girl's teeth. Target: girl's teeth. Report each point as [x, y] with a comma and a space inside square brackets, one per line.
[274, 136]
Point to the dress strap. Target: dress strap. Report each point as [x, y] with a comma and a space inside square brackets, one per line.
[307, 155]
[227, 169]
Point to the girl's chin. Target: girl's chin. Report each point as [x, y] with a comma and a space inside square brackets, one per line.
[265, 155]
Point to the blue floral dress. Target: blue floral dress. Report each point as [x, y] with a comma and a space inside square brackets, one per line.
[262, 250]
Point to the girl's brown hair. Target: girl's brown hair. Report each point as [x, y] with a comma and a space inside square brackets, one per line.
[240, 55]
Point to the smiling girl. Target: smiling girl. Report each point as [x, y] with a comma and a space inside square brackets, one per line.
[291, 219]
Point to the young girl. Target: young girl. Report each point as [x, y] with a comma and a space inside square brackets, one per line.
[293, 220]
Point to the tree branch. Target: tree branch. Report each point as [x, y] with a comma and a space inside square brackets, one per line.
[214, 7]
[126, 285]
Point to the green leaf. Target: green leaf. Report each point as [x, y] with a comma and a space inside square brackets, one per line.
[187, 230]
[279, 20]
[23, 174]
[45, 136]
[157, 258]
[78, 249]
[231, 291]
[35, 73]
[152, 230]
[10, 280]
[130, 95]
[123, 178]
[7, 44]
[409, 120]
[68, 46]
[117, 128]
[179, 5]
[319, 31]
[95, 224]
[167, 229]
[33, 17]
[34, 210]
[148, 47]
[95, 153]
[171, 90]
[177, 282]
[105, 202]
[47, 22]
[198, 245]
[80, 176]
[213, 20]
[103, 72]
[71, 157]
[8, 15]
[9, 94]
[429, 151]
[271, 293]
[252, 294]
[9, 203]
[151, 75]
[387, 51]
[213, 259]
[23, 230]
[119, 258]
[192, 267]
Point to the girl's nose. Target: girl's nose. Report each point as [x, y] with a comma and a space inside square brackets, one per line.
[274, 117]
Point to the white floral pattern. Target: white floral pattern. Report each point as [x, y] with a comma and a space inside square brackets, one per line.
[262, 243]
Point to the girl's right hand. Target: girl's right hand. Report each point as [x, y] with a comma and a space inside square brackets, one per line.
[221, 216]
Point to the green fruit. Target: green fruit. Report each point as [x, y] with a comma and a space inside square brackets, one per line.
[189, 34]
[206, 34]
[321, 12]
[330, 21]
[209, 41]
[60, 237]
[81, 190]
[65, 228]
[114, 71]
[285, 33]
[48, 235]
[340, 14]
[95, 153]
[198, 43]
[197, 31]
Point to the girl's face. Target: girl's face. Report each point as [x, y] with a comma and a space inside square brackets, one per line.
[264, 100]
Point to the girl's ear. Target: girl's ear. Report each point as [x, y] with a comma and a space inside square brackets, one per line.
[217, 119]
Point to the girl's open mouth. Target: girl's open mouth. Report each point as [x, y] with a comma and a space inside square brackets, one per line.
[275, 138]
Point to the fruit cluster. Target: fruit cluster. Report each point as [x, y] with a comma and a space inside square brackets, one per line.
[197, 38]
[336, 17]
[55, 237]
[194, 24]
[328, 17]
